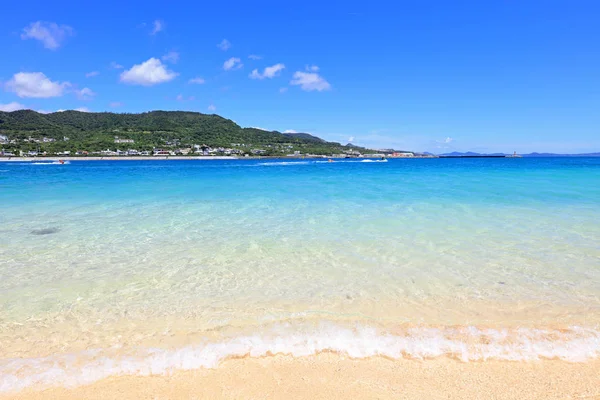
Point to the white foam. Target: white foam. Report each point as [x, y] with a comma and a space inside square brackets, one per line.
[466, 344]
[284, 163]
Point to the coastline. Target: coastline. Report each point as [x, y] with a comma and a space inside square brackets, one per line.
[123, 158]
[332, 376]
[169, 158]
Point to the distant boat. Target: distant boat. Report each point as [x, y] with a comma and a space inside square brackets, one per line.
[514, 155]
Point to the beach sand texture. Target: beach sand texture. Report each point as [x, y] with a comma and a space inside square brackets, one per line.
[331, 376]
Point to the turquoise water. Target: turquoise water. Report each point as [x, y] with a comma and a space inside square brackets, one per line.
[179, 264]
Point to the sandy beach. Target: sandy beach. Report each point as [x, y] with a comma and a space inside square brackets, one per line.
[331, 376]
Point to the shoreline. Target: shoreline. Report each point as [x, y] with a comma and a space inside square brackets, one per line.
[168, 158]
[332, 376]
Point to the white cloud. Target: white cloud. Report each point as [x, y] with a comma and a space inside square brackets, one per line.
[115, 104]
[448, 140]
[14, 106]
[148, 73]
[312, 68]
[258, 127]
[269, 72]
[232, 63]
[290, 131]
[92, 74]
[157, 26]
[171, 57]
[84, 94]
[310, 81]
[49, 33]
[254, 57]
[35, 84]
[212, 108]
[197, 81]
[115, 65]
[224, 45]
[82, 109]
[283, 90]
[351, 139]
[44, 111]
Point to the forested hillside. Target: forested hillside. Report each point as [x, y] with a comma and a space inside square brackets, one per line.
[76, 131]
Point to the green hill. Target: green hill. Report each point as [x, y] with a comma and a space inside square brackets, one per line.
[156, 129]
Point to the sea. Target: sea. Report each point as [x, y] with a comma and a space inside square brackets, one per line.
[148, 267]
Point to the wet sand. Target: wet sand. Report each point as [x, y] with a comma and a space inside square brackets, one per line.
[331, 376]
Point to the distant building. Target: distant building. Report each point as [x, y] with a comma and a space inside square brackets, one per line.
[403, 154]
[184, 151]
[118, 140]
[3, 139]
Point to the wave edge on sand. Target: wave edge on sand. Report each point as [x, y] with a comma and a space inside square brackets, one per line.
[575, 344]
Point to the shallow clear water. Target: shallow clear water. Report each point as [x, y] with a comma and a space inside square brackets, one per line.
[129, 257]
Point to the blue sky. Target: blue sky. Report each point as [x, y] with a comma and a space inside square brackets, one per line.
[427, 76]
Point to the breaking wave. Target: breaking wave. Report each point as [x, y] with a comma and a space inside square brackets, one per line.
[466, 344]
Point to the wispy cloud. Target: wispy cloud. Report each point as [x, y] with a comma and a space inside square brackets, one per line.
[83, 109]
[181, 97]
[268, 72]
[157, 26]
[197, 81]
[283, 90]
[212, 108]
[224, 45]
[115, 104]
[254, 57]
[232, 64]
[171, 57]
[84, 94]
[92, 74]
[49, 33]
[115, 65]
[444, 143]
